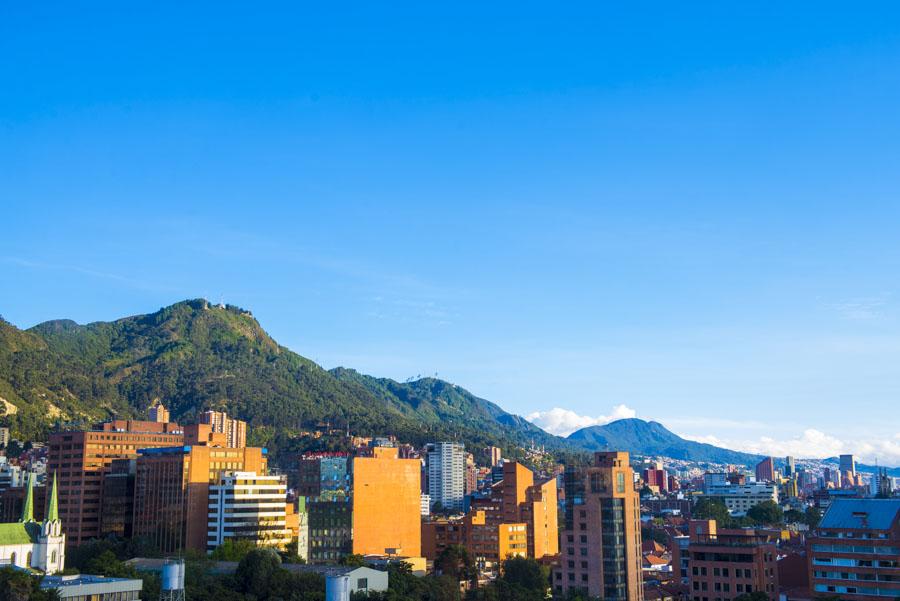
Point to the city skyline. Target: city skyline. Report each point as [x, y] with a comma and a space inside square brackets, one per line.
[692, 220]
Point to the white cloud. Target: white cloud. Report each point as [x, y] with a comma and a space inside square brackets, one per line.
[563, 422]
[813, 444]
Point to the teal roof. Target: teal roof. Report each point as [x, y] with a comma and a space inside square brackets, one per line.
[877, 514]
[18, 533]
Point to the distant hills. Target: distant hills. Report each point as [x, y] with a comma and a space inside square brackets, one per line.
[195, 355]
[652, 438]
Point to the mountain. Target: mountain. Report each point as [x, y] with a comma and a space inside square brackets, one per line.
[641, 437]
[194, 355]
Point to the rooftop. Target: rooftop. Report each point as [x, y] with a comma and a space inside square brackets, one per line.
[875, 514]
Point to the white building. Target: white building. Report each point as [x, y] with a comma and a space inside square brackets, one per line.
[425, 504]
[739, 498]
[37, 546]
[447, 474]
[244, 505]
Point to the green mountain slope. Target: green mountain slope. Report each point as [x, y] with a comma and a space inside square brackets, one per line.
[652, 438]
[194, 355]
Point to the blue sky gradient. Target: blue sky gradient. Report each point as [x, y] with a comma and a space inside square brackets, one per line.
[689, 210]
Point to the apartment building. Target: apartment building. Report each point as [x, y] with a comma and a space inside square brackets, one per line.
[855, 551]
[235, 430]
[601, 543]
[723, 564]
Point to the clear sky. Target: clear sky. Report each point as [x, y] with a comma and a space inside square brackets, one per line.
[687, 212]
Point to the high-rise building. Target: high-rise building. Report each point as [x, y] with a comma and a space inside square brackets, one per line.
[235, 430]
[82, 458]
[524, 501]
[601, 543]
[323, 473]
[171, 491]
[324, 486]
[495, 455]
[847, 464]
[159, 414]
[249, 506]
[387, 492]
[882, 484]
[765, 470]
[471, 474]
[790, 467]
[4, 437]
[118, 499]
[854, 553]
[656, 478]
[446, 469]
[723, 564]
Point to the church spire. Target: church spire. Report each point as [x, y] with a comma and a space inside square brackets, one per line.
[53, 508]
[28, 506]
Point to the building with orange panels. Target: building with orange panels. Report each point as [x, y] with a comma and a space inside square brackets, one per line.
[81, 459]
[386, 504]
[235, 430]
[601, 542]
[171, 491]
[523, 501]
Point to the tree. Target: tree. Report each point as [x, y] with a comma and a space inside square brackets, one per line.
[353, 560]
[256, 571]
[712, 508]
[813, 516]
[16, 585]
[455, 562]
[233, 550]
[767, 512]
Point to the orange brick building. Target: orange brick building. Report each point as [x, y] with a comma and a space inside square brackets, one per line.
[387, 504]
[489, 543]
[82, 459]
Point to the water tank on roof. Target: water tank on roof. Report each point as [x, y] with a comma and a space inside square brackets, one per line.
[173, 576]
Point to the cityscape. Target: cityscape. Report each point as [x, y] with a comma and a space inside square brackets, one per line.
[409, 301]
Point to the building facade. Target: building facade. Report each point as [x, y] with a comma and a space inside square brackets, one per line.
[80, 459]
[724, 564]
[855, 551]
[739, 498]
[235, 430]
[446, 469]
[385, 504]
[601, 542]
[248, 506]
[33, 545]
[171, 491]
[765, 470]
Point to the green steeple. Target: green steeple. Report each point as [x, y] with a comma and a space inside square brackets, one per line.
[53, 509]
[28, 507]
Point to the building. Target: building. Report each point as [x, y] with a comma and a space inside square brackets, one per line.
[765, 470]
[80, 459]
[82, 587]
[739, 498]
[4, 437]
[723, 564]
[385, 504]
[524, 501]
[118, 499]
[656, 478]
[847, 465]
[159, 414]
[235, 430]
[855, 551]
[322, 473]
[330, 528]
[172, 486]
[790, 467]
[488, 543]
[601, 543]
[425, 504]
[446, 471]
[249, 506]
[33, 545]
[882, 484]
[495, 455]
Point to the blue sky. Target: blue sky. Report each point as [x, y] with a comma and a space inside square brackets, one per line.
[691, 211]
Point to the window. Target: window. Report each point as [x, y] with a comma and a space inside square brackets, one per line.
[362, 583]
